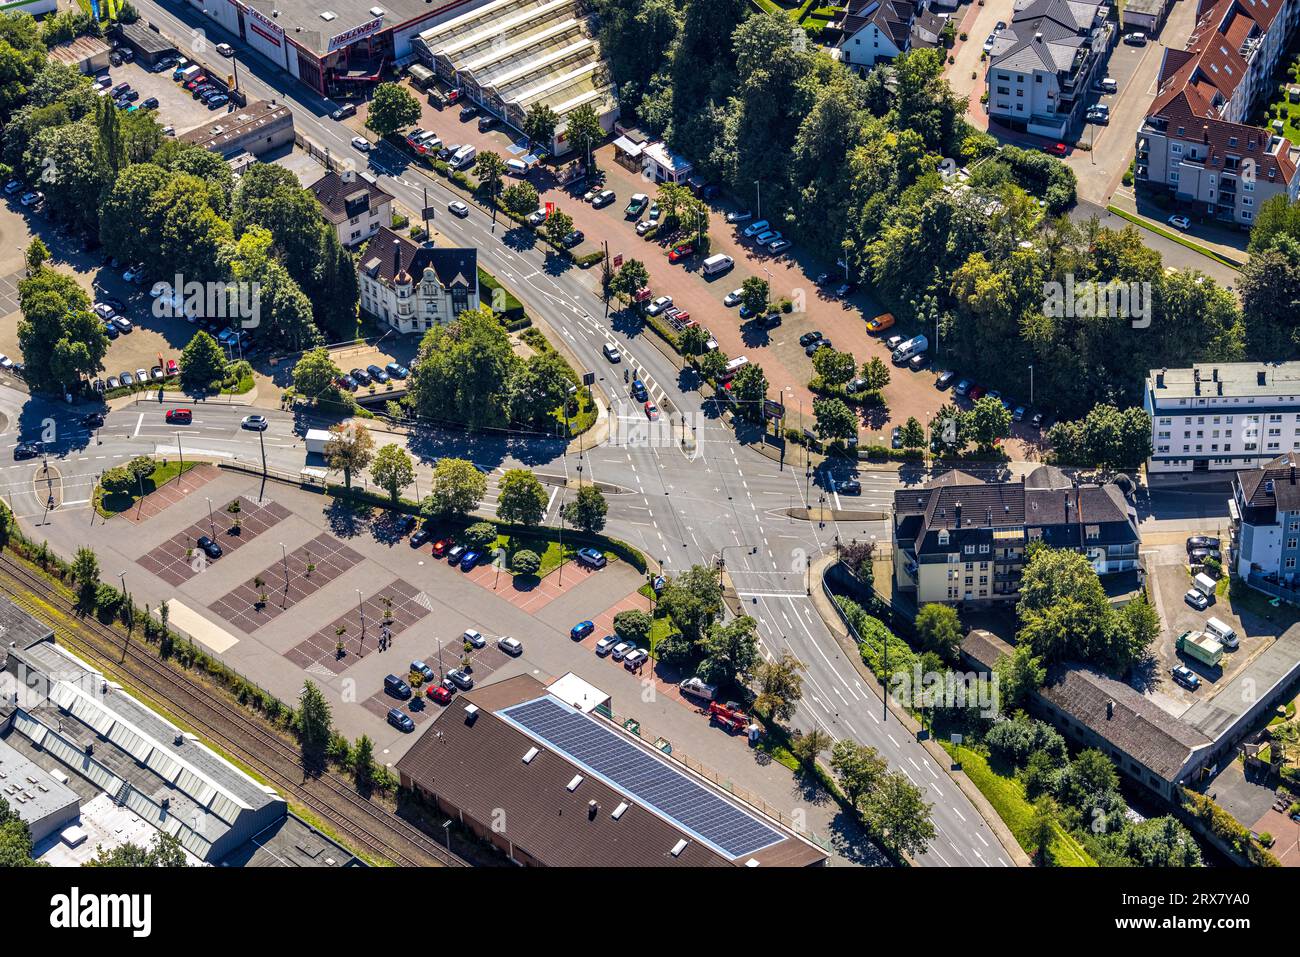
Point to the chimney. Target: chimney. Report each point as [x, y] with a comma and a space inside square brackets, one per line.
[348, 176]
[1110, 709]
[956, 515]
[1205, 132]
[592, 808]
[397, 256]
[1292, 473]
[1261, 377]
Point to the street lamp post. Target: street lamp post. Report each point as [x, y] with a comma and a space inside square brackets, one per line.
[362, 607]
[284, 558]
[1031, 385]
[212, 525]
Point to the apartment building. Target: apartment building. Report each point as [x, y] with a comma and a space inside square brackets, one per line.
[354, 204]
[1265, 539]
[878, 31]
[963, 540]
[1042, 64]
[1194, 141]
[1222, 416]
[413, 288]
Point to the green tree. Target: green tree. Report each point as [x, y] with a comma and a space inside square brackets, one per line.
[898, 812]
[363, 762]
[630, 279]
[755, 294]
[203, 363]
[807, 745]
[315, 722]
[458, 487]
[587, 510]
[349, 450]
[521, 500]
[835, 420]
[939, 630]
[876, 374]
[490, 170]
[539, 125]
[779, 686]
[463, 372]
[583, 131]
[713, 365]
[1042, 829]
[913, 434]
[634, 625]
[520, 198]
[538, 388]
[36, 255]
[858, 768]
[85, 571]
[164, 851]
[557, 226]
[834, 368]
[392, 470]
[988, 421]
[480, 535]
[525, 562]
[1019, 674]
[60, 339]
[730, 650]
[693, 599]
[315, 375]
[748, 390]
[391, 109]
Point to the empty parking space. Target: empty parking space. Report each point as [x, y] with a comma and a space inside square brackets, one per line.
[177, 490]
[285, 583]
[378, 618]
[176, 561]
[530, 594]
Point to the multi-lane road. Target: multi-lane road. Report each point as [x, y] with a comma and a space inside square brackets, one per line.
[682, 504]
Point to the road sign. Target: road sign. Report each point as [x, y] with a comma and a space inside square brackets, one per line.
[589, 378]
[618, 260]
[773, 409]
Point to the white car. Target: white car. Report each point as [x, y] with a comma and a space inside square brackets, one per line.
[6, 362]
[103, 310]
[635, 658]
[621, 650]
[612, 353]
[31, 198]
[254, 423]
[606, 645]
[645, 226]
[1179, 222]
[225, 49]
[133, 273]
[733, 298]
[739, 217]
[458, 208]
[361, 143]
[988, 44]
[659, 305]
[474, 638]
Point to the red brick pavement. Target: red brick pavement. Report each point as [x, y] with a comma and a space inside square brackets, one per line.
[170, 563]
[174, 491]
[240, 606]
[409, 605]
[522, 592]
[483, 662]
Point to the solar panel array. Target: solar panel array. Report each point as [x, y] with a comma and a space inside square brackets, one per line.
[649, 780]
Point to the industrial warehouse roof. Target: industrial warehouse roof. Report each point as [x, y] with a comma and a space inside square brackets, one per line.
[522, 53]
[578, 790]
[142, 760]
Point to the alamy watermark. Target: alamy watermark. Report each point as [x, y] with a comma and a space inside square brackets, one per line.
[239, 302]
[1115, 299]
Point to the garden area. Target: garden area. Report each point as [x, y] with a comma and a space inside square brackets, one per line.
[122, 487]
[1284, 105]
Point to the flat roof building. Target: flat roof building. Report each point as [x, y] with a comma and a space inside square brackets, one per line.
[257, 128]
[551, 785]
[44, 803]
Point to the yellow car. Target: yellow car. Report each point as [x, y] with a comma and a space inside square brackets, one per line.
[881, 322]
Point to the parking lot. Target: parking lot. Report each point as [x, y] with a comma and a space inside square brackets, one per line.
[1255, 621]
[176, 105]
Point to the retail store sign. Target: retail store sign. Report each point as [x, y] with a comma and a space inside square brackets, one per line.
[347, 38]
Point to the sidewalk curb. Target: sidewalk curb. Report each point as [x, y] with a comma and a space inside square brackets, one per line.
[833, 624]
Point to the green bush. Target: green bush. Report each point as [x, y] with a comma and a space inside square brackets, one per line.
[525, 562]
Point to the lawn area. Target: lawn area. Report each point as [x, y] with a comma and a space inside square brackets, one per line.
[660, 629]
[1007, 796]
[548, 550]
[112, 504]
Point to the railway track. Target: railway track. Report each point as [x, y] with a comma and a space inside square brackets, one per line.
[239, 733]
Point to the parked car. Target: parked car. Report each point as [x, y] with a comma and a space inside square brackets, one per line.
[1201, 541]
[574, 238]
[396, 687]
[150, 104]
[592, 558]
[1186, 677]
[881, 322]
[460, 679]
[423, 670]
[400, 720]
[1100, 117]
[474, 638]
[779, 246]
[442, 693]
[1056, 149]
[622, 650]
[896, 438]
[208, 547]
[361, 375]
[361, 143]
[680, 252]
[808, 338]
[1136, 38]
[817, 344]
[420, 536]
[1179, 222]
[344, 111]
[455, 554]
[733, 298]
[511, 646]
[635, 658]
[397, 370]
[945, 379]
[658, 305]
[440, 547]
[376, 373]
[581, 630]
[645, 226]
[602, 199]
[469, 560]
[1196, 599]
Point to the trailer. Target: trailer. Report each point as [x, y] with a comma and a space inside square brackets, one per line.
[316, 441]
[1199, 645]
[729, 716]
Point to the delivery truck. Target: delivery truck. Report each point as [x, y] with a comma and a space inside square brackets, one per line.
[316, 441]
[1199, 645]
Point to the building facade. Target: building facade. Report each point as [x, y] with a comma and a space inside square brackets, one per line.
[878, 31]
[1222, 416]
[1265, 512]
[961, 540]
[1194, 141]
[354, 204]
[1042, 64]
[414, 288]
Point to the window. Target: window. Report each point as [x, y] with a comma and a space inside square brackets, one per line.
[984, 549]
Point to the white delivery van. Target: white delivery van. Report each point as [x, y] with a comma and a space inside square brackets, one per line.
[1204, 584]
[699, 688]
[912, 347]
[717, 263]
[1222, 633]
[734, 366]
[516, 167]
[316, 440]
[464, 157]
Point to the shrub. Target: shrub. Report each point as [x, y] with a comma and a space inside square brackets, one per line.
[480, 535]
[525, 562]
[634, 625]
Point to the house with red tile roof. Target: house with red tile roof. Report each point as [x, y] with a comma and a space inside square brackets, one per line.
[1194, 140]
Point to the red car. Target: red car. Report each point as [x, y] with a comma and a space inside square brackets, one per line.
[179, 416]
[651, 411]
[453, 96]
[440, 693]
[680, 252]
[440, 547]
[975, 391]
[172, 368]
[1055, 149]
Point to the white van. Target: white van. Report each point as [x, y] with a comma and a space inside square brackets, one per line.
[912, 347]
[1222, 633]
[516, 167]
[717, 263]
[1204, 584]
[734, 366]
[463, 158]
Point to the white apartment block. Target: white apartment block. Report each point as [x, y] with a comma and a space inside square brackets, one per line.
[1222, 416]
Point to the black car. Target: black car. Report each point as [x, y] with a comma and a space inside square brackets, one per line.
[400, 720]
[28, 450]
[850, 486]
[486, 122]
[343, 112]
[407, 524]
[945, 379]
[396, 687]
[573, 239]
[209, 547]
[93, 420]
[1201, 541]
[150, 104]
[361, 376]
[468, 111]
[817, 344]
[420, 536]
[808, 338]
